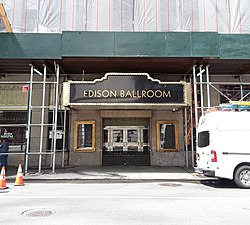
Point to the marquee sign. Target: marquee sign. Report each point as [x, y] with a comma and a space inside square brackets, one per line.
[125, 89]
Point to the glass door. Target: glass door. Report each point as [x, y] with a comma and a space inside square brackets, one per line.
[133, 141]
[117, 138]
[126, 139]
[126, 145]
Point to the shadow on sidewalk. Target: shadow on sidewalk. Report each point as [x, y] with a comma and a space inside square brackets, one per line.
[220, 183]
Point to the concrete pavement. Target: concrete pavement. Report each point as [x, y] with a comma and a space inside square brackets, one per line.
[124, 173]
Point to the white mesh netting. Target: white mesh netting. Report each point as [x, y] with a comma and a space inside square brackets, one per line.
[44, 16]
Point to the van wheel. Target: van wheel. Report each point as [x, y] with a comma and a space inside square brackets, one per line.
[242, 177]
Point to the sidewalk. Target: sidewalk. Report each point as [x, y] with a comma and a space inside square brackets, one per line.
[124, 173]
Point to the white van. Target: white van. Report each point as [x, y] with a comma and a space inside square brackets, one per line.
[223, 146]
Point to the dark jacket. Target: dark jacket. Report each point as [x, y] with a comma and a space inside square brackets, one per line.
[4, 147]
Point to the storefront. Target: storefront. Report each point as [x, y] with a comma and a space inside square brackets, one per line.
[13, 116]
[126, 119]
[114, 118]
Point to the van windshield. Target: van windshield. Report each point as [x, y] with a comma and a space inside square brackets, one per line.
[203, 139]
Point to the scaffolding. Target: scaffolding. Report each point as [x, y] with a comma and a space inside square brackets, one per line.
[202, 86]
[43, 97]
[42, 110]
[5, 19]
[202, 93]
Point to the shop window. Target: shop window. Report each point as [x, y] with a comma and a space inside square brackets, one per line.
[167, 136]
[84, 136]
[13, 126]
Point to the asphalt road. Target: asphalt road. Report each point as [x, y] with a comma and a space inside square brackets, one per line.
[144, 203]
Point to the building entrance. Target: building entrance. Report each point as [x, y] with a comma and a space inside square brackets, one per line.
[126, 145]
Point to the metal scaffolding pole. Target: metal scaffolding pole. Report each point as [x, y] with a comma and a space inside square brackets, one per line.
[245, 96]
[55, 122]
[42, 120]
[29, 119]
[195, 97]
[208, 87]
[64, 136]
[220, 92]
[225, 83]
[241, 88]
[186, 133]
[53, 119]
[191, 126]
[201, 89]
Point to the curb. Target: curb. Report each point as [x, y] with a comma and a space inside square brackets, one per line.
[112, 180]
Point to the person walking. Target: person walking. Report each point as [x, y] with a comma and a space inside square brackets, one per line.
[4, 148]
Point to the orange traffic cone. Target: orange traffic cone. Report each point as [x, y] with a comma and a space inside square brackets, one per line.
[19, 177]
[3, 179]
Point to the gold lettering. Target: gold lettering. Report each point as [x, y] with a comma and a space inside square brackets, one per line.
[128, 94]
[99, 94]
[167, 94]
[122, 93]
[105, 93]
[158, 95]
[91, 93]
[152, 94]
[85, 93]
[138, 94]
[112, 93]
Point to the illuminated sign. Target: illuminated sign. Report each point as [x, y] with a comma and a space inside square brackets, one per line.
[125, 88]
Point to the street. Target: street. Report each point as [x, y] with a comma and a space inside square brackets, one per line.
[124, 203]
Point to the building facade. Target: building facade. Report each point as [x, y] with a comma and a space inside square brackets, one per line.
[96, 97]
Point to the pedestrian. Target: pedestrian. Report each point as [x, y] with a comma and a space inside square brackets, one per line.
[4, 148]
